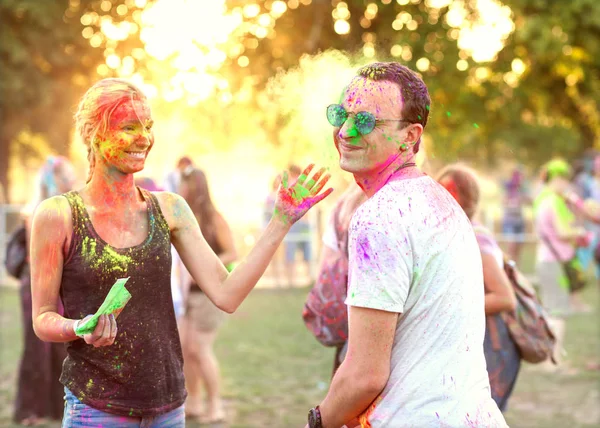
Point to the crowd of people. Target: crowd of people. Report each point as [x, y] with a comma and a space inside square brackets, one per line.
[424, 284]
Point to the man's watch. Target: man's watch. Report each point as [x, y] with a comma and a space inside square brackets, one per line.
[314, 418]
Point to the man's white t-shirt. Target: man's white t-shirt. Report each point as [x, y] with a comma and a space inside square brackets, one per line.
[413, 251]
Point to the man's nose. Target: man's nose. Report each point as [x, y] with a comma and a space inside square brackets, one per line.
[348, 130]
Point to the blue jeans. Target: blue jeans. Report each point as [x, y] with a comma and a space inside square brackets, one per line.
[79, 415]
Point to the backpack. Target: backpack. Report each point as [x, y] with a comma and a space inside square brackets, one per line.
[325, 313]
[528, 323]
[16, 253]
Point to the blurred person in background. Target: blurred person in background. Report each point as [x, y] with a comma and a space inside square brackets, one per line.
[335, 242]
[149, 184]
[299, 238]
[276, 265]
[173, 178]
[559, 238]
[179, 275]
[39, 393]
[200, 323]
[513, 222]
[582, 197]
[501, 353]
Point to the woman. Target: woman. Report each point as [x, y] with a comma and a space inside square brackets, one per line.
[39, 393]
[559, 238]
[202, 318]
[130, 373]
[501, 353]
[513, 221]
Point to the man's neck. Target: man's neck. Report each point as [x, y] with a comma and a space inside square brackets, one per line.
[400, 169]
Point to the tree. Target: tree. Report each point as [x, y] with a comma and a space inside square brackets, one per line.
[45, 66]
[536, 97]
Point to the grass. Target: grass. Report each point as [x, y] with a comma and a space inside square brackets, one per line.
[274, 370]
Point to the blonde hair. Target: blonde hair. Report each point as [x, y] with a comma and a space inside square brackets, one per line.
[467, 186]
[97, 106]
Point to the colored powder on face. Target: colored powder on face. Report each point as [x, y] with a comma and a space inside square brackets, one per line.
[475, 126]
[90, 384]
[448, 113]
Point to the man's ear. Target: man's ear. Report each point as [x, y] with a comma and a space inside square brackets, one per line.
[414, 134]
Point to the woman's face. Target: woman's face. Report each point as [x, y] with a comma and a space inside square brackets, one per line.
[129, 137]
[560, 183]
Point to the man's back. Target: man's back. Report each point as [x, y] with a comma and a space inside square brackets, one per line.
[413, 251]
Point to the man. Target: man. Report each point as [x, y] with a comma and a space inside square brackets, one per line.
[415, 290]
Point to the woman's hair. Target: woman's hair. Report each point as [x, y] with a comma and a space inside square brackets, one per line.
[465, 186]
[194, 189]
[97, 106]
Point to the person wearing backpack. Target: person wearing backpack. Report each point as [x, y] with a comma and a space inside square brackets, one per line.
[39, 394]
[325, 313]
[501, 353]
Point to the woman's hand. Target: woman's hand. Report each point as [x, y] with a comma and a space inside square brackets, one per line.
[294, 201]
[105, 332]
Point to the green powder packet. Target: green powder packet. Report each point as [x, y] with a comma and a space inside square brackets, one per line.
[115, 301]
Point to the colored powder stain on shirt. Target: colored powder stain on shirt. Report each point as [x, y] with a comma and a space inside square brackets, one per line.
[90, 384]
[109, 257]
[88, 248]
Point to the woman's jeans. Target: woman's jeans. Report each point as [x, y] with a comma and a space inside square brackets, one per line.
[79, 415]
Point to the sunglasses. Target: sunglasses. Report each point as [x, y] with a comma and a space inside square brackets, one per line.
[364, 121]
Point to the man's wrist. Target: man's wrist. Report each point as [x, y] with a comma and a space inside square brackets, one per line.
[314, 418]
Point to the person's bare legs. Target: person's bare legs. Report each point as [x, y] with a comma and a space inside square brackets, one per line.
[208, 369]
[191, 370]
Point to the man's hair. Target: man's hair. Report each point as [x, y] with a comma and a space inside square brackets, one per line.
[467, 186]
[415, 96]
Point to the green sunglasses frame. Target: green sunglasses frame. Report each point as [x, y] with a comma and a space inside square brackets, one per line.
[369, 118]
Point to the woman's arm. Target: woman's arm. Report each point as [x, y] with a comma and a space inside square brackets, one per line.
[225, 238]
[49, 227]
[227, 291]
[499, 294]
[50, 230]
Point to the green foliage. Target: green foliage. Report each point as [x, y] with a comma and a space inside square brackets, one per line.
[486, 110]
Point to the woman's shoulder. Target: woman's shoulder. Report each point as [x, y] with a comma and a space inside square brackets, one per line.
[167, 200]
[485, 238]
[53, 214]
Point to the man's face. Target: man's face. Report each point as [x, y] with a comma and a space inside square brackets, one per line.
[369, 154]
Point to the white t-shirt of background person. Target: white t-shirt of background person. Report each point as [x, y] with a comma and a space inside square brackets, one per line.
[413, 251]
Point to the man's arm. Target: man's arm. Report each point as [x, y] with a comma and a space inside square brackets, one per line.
[366, 368]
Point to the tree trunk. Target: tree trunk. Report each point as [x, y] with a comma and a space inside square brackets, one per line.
[4, 182]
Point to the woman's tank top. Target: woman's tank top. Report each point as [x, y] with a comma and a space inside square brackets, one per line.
[141, 374]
